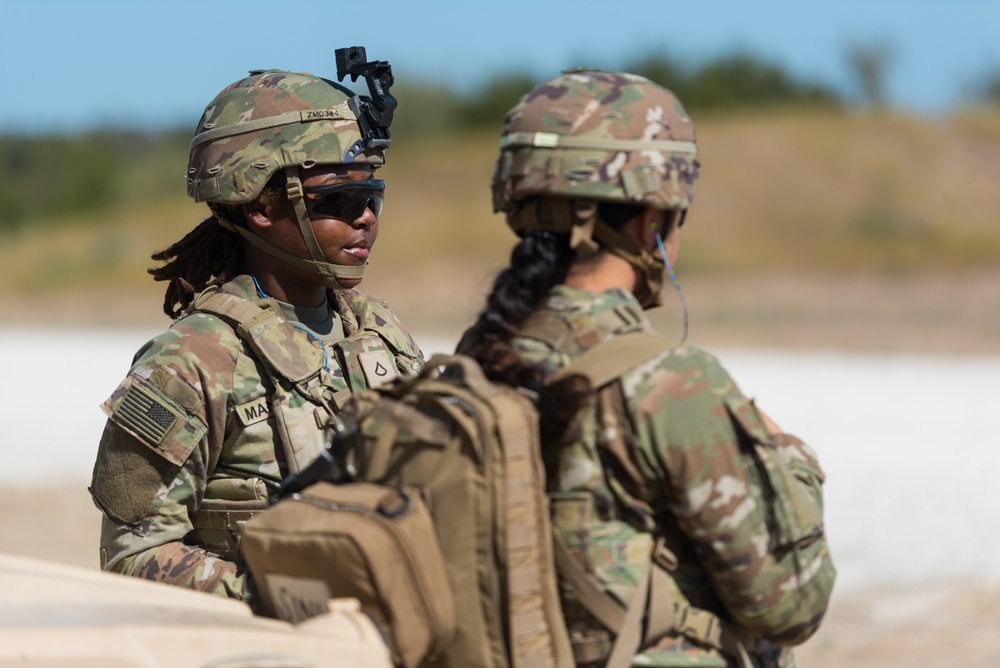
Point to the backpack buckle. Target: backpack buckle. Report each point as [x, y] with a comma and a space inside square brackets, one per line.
[664, 557]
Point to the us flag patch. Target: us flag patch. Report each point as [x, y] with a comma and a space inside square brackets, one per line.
[144, 414]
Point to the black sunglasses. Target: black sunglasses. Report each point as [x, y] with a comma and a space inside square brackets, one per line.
[347, 200]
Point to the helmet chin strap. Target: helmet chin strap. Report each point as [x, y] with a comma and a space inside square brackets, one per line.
[328, 271]
[649, 291]
[650, 267]
[330, 274]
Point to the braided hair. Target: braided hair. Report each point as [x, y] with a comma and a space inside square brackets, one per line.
[209, 254]
[538, 263]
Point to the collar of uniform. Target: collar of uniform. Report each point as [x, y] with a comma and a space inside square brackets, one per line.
[340, 301]
[242, 286]
[612, 311]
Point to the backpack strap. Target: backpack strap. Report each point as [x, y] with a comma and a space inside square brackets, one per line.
[612, 358]
[656, 598]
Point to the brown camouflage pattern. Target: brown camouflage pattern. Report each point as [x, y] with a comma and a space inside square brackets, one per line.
[234, 169]
[690, 459]
[604, 107]
[212, 458]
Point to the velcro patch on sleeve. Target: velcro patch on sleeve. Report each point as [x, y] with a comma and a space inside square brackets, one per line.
[145, 415]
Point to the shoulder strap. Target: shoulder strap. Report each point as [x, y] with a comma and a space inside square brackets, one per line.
[267, 332]
[657, 599]
[611, 358]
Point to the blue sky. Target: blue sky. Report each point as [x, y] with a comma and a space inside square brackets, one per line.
[72, 65]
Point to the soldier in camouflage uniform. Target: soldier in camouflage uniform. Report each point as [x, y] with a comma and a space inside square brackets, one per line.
[670, 463]
[268, 336]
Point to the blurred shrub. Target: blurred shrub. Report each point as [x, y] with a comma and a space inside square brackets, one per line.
[425, 108]
[43, 178]
[986, 89]
[50, 176]
[869, 63]
[737, 80]
[487, 105]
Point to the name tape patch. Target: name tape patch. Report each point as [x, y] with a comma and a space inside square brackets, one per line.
[253, 411]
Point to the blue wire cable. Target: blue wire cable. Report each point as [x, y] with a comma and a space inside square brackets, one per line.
[259, 291]
[326, 355]
[677, 285]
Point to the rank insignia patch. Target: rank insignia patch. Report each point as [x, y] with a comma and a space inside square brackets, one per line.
[377, 367]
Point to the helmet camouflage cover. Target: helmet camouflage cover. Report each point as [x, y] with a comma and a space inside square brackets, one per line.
[597, 135]
[266, 122]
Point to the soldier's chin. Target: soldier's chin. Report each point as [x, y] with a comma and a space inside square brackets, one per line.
[349, 283]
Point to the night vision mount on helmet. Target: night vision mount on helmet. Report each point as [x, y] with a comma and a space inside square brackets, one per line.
[374, 113]
[292, 121]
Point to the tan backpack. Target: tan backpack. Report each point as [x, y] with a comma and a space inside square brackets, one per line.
[443, 532]
[430, 508]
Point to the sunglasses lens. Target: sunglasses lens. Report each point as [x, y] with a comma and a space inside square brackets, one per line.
[348, 205]
[347, 201]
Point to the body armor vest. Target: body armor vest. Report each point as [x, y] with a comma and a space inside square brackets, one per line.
[306, 391]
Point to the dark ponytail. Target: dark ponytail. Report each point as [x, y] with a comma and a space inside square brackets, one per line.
[538, 263]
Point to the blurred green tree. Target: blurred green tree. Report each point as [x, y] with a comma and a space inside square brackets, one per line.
[737, 80]
[869, 63]
[486, 106]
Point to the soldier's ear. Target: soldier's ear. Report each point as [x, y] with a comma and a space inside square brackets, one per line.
[649, 226]
[256, 215]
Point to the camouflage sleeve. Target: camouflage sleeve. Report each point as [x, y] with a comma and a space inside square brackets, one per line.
[748, 500]
[164, 430]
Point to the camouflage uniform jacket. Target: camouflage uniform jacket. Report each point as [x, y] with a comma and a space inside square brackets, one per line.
[202, 427]
[673, 452]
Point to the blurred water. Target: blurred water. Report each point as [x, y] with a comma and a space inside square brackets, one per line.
[907, 442]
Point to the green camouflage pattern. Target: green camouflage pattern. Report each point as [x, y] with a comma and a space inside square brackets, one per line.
[608, 113]
[192, 444]
[691, 460]
[234, 169]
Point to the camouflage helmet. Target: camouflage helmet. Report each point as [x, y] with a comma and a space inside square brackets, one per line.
[587, 137]
[597, 135]
[290, 121]
[266, 122]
